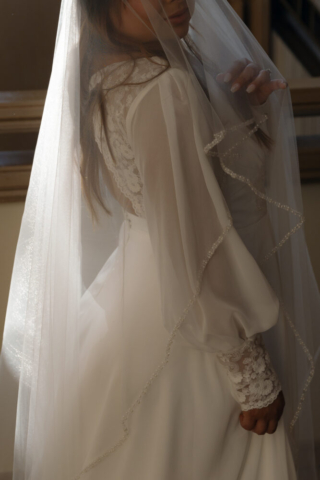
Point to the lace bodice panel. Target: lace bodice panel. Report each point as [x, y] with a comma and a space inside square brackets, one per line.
[121, 162]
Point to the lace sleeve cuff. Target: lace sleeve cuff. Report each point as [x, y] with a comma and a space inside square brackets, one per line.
[256, 384]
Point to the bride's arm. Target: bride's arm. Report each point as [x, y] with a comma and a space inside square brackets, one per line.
[214, 296]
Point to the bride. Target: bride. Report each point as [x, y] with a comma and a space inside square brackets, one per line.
[162, 296]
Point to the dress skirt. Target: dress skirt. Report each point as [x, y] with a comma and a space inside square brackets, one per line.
[187, 424]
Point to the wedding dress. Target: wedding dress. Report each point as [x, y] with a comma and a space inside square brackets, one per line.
[162, 282]
[189, 427]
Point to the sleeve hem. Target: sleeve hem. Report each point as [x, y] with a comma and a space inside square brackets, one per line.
[255, 382]
[262, 403]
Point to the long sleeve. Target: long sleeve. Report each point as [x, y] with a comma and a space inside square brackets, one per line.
[213, 293]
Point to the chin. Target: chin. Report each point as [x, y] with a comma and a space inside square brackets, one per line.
[182, 30]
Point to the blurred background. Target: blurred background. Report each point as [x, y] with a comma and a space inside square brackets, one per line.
[289, 31]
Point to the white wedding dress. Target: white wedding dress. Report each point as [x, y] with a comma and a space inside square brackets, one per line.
[187, 425]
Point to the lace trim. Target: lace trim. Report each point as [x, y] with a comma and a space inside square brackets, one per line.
[263, 196]
[161, 366]
[250, 370]
[218, 137]
[311, 371]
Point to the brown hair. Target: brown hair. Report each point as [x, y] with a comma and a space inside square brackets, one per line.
[97, 28]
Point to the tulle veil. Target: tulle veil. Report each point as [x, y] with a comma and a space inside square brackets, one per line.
[61, 250]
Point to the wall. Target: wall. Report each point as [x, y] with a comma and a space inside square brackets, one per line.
[311, 203]
[290, 67]
[27, 38]
[10, 219]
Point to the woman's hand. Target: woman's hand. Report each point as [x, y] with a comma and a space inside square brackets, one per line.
[246, 74]
[263, 420]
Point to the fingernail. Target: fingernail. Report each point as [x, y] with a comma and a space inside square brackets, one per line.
[227, 77]
[235, 87]
[220, 77]
[251, 88]
[285, 83]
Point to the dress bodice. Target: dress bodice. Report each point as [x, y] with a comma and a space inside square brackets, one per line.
[122, 82]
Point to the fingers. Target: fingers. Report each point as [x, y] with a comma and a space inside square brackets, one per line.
[240, 75]
[262, 427]
[247, 74]
[263, 80]
[250, 72]
[247, 421]
[234, 71]
[272, 426]
[259, 426]
[263, 420]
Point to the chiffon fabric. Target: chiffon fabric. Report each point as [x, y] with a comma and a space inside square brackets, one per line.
[189, 427]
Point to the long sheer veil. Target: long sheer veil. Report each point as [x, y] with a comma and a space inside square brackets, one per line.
[45, 428]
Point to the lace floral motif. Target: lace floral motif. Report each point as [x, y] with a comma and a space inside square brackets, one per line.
[120, 161]
[249, 368]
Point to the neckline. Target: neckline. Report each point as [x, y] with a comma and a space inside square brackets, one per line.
[95, 77]
[137, 59]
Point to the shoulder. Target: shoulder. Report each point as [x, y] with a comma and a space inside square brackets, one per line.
[121, 83]
[172, 82]
[163, 98]
[140, 77]
[130, 71]
[171, 85]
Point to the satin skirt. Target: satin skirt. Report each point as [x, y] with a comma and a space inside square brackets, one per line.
[187, 424]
